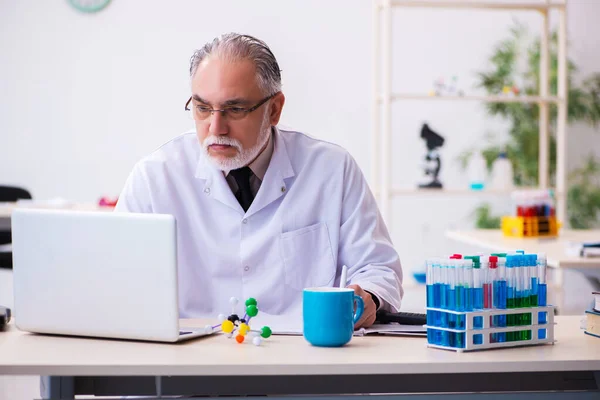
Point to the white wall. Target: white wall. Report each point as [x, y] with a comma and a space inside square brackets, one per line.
[83, 97]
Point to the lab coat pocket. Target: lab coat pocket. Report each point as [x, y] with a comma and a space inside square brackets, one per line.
[307, 257]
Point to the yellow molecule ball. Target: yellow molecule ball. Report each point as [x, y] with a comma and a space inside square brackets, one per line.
[244, 328]
[227, 326]
[505, 89]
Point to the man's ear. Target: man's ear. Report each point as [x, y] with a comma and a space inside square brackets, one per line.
[277, 103]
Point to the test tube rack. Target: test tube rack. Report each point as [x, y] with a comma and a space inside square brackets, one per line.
[530, 226]
[473, 331]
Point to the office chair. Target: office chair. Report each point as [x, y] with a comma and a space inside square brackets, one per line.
[9, 194]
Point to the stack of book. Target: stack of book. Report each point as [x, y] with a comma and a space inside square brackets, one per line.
[592, 326]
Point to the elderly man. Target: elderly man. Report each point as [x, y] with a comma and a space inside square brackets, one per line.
[261, 212]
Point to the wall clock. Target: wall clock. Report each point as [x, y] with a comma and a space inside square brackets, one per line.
[89, 6]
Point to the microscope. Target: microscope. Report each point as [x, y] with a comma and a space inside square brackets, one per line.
[433, 163]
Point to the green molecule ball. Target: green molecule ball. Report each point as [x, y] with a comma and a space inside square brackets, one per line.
[251, 302]
[252, 311]
[265, 332]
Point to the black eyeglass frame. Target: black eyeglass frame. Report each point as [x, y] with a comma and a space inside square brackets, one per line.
[246, 110]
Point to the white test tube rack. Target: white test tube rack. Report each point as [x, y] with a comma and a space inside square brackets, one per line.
[486, 330]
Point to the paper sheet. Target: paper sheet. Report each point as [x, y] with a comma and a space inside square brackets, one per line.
[383, 329]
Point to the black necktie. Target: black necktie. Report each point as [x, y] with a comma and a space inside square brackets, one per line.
[244, 194]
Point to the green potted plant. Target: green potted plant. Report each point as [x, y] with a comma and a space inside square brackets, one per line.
[583, 198]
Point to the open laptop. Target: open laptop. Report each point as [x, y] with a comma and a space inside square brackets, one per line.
[100, 274]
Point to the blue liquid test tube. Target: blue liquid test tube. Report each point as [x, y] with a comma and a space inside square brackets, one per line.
[468, 279]
[478, 280]
[461, 297]
[451, 296]
[542, 289]
[479, 269]
[502, 296]
[492, 279]
[439, 299]
[437, 290]
[511, 294]
[429, 284]
[444, 283]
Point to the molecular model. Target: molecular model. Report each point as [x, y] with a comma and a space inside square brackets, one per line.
[233, 325]
[443, 88]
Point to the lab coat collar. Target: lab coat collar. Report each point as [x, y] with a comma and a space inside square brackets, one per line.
[273, 185]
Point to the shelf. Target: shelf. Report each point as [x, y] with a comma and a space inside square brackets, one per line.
[383, 97]
[485, 99]
[457, 192]
[478, 4]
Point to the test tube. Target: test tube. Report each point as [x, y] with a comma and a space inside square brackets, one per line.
[438, 298]
[501, 295]
[511, 288]
[533, 274]
[450, 338]
[463, 290]
[478, 280]
[525, 318]
[429, 284]
[527, 287]
[477, 290]
[542, 289]
[460, 301]
[444, 285]
[468, 271]
[487, 281]
[492, 278]
[477, 285]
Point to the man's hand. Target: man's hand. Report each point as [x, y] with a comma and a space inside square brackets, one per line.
[369, 314]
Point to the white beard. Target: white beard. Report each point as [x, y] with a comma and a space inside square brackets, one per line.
[243, 156]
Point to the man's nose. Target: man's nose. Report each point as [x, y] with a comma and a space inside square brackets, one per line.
[218, 124]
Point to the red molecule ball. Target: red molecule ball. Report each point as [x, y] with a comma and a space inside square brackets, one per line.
[239, 338]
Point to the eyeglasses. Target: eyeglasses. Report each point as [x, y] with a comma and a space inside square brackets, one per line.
[202, 112]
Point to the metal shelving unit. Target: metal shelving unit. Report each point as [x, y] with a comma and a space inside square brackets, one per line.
[383, 97]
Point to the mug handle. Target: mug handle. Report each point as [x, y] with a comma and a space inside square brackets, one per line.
[360, 307]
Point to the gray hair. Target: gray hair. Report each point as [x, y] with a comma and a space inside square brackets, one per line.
[238, 47]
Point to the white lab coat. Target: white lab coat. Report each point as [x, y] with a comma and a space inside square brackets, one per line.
[313, 214]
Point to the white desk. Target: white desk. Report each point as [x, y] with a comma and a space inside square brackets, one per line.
[288, 365]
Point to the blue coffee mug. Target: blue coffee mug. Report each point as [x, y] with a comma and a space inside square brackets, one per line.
[328, 315]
